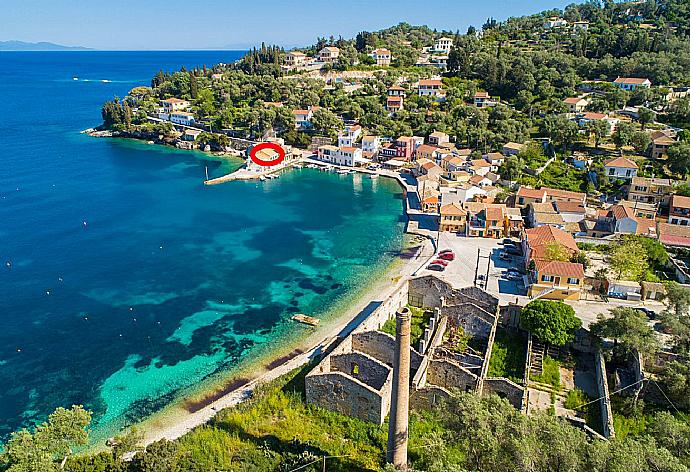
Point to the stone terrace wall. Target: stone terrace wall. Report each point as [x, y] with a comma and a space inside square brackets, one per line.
[361, 367]
[504, 388]
[343, 394]
[447, 374]
[381, 346]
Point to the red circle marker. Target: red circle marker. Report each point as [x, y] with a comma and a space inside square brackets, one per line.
[267, 163]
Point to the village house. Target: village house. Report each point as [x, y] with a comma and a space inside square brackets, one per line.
[438, 138]
[495, 159]
[426, 151]
[621, 219]
[382, 56]
[479, 167]
[527, 195]
[661, 141]
[216, 76]
[674, 235]
[443, 45]
[679, 210]
[480, 181]
[588, 117]
[182, 118]
[295, 58]
[549, 278]
[580, 25]
[512, 149]
[343, 156]
[303, 118]
[482, 99]
[191, 134]
[371, 144]
[453, 218]
[431, 88]
[329, 54]
[555, 22]
[571, 212]
[395, 91]
[650, 190]
[394, 103]
[428, 167]
[171, 105]
[640, 209]
[541, 214]
[631, 83]
[676, 93]
[461, 192]
[576, 104]
[558, 195]
[349, 135]
[486, 220]
[404, 148]
[620, 168]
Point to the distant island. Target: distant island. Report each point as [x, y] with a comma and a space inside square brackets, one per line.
[40, 46]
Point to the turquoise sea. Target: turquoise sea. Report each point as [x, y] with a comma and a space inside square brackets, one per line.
[123, 280]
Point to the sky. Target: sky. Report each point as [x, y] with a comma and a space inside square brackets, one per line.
[232, 24]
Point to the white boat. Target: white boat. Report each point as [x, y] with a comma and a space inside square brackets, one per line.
[75, 78]
[343, 171]
[373, 176]
[262, 178]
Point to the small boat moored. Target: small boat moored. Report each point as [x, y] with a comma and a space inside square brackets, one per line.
[304, 319]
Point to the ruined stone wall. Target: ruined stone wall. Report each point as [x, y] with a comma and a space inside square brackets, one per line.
[387, 309]
[428, 291]
[428, 397]
[505, 388]
[381, 346]
[603, 391]
[361, 367]
[340, 393]
[474, 320]
[479, 297]
[449, 375]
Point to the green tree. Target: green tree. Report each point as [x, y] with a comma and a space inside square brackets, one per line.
[671, 433]
[326, 121]
[629, 330]
[623, 135]
[53, 440]
[640, 140]
[598, 129]
[549, 321]
[679, 158]
[628, 259]
[555, 251]
[675, 380]
[646, 116]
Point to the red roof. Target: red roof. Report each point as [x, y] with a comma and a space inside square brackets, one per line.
[430, 82]
[594, 116]
[630, 80]
[563, 269]
[481, 95]
[544, 235]
[555, 192]
[573, 100]
[623, 162]
[452, 209]
[678, 201]
[531, 193]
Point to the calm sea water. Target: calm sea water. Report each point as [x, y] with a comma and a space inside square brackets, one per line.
[128, 280]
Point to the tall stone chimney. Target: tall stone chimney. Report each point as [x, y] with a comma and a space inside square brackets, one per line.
[400, 399]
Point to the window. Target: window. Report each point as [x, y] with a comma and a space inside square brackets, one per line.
[573, 281]
[547, 278]
[415, 300]
[612, 171]
[674, 221]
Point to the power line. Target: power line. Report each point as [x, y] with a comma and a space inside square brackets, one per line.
[609, 395]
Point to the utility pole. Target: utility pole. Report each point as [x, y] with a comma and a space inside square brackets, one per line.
[476, 269]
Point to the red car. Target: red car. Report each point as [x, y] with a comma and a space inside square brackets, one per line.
[440, 261]
[447, 256]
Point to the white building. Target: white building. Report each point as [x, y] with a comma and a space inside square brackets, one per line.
[620, 168]
[581, 25]
[329, 54]
[632, 83]
[431, 88]
[349, 135]
[182, 118]
[555, 22]
[295, 58]
[173, 104]
[371, 144]
[343, 156]
[576, 104]
[443, 44]
[382, 56]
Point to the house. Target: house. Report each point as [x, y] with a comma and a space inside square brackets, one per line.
[430, 204]
[430, 88]
[480, 181]
[674, 235]
[679, 210]
[625, 289]
[588, 117]
[482, 99]
[640, 209]
[437, 138]
[650, 190]
[382, 56]
[394, 103]
[631, 83]
[343, 155]
[661, 141]
[171, 105]
[182, 118]
[620, 168]
[427, 151]
[453, 218]
[191, 134]
[550, 278]
[329, 54]
[555, 22]
[515, 222]
[486, 220]
[443, 44]
[303, 118]
[295, 58]
[405, 147]
[461, 192]
[541, 214]
[676, 93]
[349, 135]
[495, 159]
[479, 167]
[580, 25]
[557, 195]
[575, 104]
[653, 290]
[396, 91]
[371, 144]
[511, 149]
[428, 167]
[621, 219]
[216, 76]
[527, 195]
[571, 212]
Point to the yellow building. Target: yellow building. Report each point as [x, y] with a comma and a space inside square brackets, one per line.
[453, 218]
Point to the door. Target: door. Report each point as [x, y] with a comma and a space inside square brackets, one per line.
[557, 281]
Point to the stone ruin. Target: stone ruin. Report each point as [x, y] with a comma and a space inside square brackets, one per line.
[355, 378]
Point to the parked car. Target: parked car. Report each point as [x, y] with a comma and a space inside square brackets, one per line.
[441, 261]
[436, 267]
[480, 277]
[651, 314]
[447, 256]
[508, 241]
[445, 250]
[515, 251]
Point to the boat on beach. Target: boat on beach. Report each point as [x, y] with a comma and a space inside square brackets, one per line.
[344, 171]
[304, 319]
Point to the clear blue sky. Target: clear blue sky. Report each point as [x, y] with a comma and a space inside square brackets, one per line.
[188, 24]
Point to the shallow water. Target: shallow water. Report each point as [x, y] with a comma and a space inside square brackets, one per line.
[129, 280]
